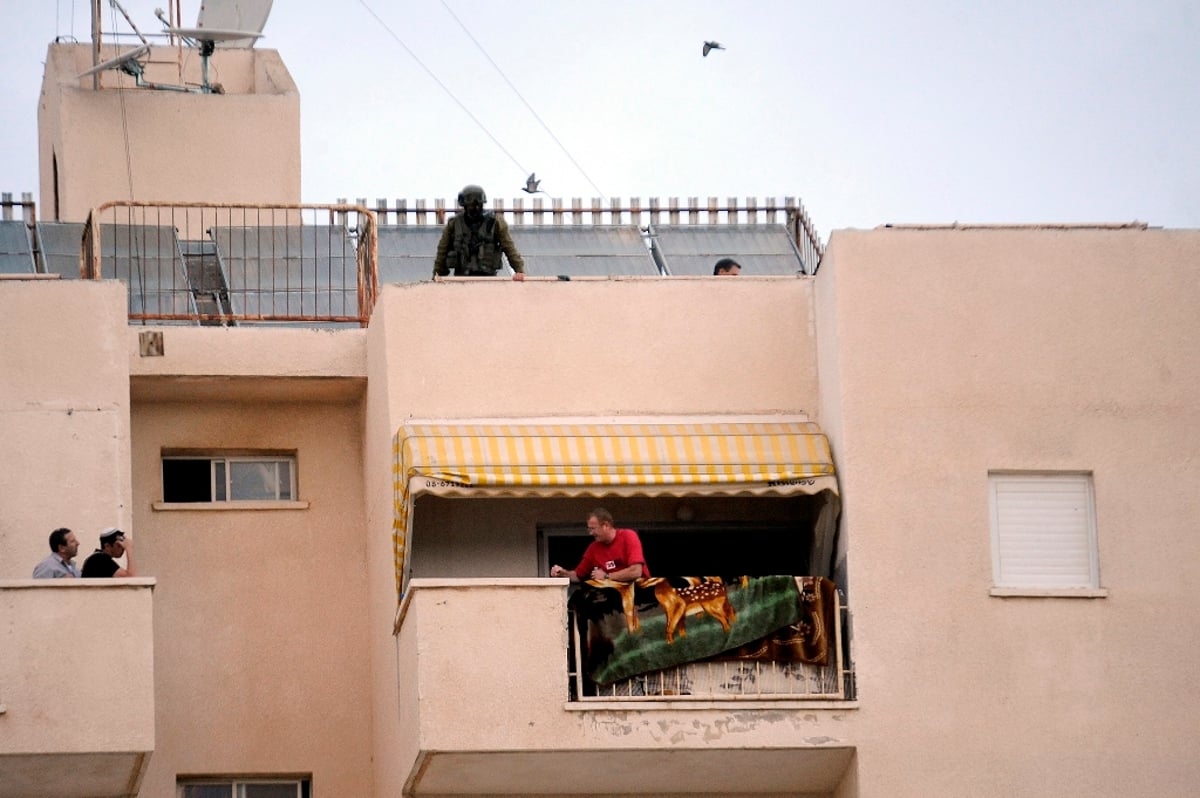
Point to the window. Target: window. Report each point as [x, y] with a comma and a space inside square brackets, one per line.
[1043, 531]
[242, 788]
[228, 478]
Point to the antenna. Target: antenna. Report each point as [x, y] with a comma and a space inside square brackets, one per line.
[224, 23]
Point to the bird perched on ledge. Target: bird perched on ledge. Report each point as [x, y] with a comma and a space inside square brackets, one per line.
[710, 46]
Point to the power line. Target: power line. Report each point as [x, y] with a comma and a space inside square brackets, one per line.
[443, 86]
[500, 72]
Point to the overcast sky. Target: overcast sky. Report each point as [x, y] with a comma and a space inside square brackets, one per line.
[869, 112]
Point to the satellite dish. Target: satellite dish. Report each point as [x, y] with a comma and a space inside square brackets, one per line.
[225, 23]
[229, 23]
[215, 36]
[126, 62]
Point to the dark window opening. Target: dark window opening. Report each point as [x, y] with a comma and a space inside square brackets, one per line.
[229, 478]
[187, 480]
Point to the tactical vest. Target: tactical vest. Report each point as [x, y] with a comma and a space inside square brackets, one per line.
[474, 251]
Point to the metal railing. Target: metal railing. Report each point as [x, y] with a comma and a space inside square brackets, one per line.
[229, 264]
[614, 211]
[722, 680]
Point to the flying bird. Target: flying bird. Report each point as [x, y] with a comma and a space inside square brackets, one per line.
[709, 46]
[531, 184]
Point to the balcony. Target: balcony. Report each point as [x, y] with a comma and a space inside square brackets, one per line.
[76, 687]
[488, 706]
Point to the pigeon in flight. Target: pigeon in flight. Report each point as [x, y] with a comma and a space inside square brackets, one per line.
[709, 46]
[531, 184]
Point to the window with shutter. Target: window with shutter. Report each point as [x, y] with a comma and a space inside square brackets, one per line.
[1043, 531]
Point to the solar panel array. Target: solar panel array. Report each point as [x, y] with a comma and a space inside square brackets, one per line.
[693, 249]
[584, 250]
[291, 272]
[406, 252]
[16, 249]
[59, 246]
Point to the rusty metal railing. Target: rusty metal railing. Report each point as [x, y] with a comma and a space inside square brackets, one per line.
[230, 264]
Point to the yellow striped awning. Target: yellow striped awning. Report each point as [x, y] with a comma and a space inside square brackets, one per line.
[774, 458]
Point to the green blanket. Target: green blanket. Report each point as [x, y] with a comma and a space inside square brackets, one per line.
[656, 623]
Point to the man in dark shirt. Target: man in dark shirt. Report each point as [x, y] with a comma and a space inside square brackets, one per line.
[101, 564]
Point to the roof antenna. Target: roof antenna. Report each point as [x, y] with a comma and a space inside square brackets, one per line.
[125, 14]
[224, 23]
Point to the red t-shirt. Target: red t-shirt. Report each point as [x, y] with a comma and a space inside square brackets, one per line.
[625, 550]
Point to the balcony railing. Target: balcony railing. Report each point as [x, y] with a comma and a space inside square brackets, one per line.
[483, 690]
[236, 264]
[722, 679]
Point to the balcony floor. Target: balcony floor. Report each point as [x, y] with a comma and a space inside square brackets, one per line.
[725, 772]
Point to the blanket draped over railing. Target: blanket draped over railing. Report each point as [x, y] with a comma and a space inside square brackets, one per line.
[651, 624]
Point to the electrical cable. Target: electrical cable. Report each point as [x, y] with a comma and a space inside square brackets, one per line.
[443, 86]
[545, 127]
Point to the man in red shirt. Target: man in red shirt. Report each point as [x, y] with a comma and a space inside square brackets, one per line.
[613, 553]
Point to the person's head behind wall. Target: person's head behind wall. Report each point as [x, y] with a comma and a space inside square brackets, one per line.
[472, 199]
[112, 541]
[62, 541]
[727, 266]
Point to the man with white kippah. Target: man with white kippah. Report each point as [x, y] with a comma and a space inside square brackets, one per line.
[102, 564]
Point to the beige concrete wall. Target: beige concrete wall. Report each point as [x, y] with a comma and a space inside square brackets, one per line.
[949, 353]
[262, 615]
[76, 686]
[601, 348]
[64, 417]
[390, 748]
[122, 142]
[77, 666]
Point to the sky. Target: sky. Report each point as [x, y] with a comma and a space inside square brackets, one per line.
[927, 112]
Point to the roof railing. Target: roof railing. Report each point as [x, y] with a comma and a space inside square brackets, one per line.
[26, 204]
[615, 211]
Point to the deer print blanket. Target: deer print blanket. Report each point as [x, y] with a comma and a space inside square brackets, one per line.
[632, 628]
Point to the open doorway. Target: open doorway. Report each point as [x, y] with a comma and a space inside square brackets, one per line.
[708, 537]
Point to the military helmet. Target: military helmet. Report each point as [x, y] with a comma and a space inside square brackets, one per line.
[469, 191]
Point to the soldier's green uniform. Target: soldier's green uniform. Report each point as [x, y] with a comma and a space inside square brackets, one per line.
[472, 241]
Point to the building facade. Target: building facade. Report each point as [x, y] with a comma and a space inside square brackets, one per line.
[1013, 419]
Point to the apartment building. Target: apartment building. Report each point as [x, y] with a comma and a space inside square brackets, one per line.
[346, 482]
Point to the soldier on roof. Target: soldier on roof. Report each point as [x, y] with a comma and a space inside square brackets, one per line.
[473, 241]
